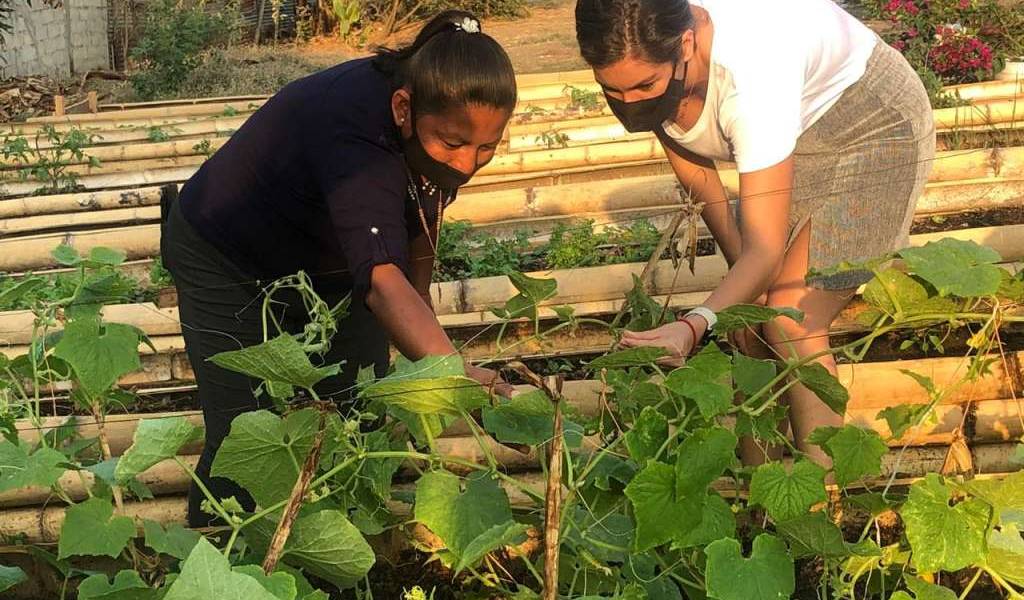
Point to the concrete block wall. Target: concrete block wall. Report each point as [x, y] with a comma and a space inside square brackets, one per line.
[56, 41]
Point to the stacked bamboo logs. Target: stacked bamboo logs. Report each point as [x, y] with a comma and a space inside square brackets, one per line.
[601, 173]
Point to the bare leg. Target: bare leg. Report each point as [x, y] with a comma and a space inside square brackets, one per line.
[791, 340]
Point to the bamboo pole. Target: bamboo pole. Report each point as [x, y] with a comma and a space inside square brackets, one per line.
[110, 181]
[33, 252]
[77, 202]
[117, 216]
[35, 525]
[113, 156]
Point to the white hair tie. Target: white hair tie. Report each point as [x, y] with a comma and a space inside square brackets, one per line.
[469, 25]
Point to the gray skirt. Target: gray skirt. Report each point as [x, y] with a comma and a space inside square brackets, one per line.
[860, 169]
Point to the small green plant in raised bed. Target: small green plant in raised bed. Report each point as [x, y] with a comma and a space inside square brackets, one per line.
[552, 138]
[157, 134]
[581, 99]
[204, 147]
[48, 162]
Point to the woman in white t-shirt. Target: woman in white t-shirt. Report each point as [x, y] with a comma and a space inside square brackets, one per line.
[831, 132]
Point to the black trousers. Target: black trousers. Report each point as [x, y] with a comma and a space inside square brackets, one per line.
[220, 309]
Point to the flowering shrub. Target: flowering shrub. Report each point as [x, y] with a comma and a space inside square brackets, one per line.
[958, 56]
[952, 41]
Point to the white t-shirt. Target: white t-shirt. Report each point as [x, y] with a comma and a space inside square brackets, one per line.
[776, 67]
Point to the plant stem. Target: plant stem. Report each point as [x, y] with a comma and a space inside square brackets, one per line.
[97, 415]
[970, 584]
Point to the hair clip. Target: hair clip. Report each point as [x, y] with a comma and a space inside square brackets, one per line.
[469, 25]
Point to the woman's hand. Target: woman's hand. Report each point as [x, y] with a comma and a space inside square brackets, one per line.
[676, 338]
[489, 378]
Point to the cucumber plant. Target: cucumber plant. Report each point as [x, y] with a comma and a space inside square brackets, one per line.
[649, 489]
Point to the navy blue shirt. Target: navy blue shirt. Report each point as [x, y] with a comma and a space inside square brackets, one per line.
[314, 180]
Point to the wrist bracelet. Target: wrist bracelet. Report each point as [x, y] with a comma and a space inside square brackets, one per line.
[693, 332]
[705, 313]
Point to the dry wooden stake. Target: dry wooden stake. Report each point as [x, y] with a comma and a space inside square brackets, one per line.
[291, 510]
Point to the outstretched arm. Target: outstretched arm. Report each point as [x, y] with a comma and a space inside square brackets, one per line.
[411, 323]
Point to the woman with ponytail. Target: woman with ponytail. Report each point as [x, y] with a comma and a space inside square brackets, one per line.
[344, 174]
[831, 132]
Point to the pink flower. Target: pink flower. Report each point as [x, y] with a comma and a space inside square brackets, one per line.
[964, 4]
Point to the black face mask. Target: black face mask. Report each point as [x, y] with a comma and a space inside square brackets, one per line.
[423, 164]
[646, 115]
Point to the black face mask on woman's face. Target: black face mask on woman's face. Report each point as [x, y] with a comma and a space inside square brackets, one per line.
[423, 164]
[645, 115]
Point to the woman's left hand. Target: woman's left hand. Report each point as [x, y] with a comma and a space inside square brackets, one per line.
[675, 337]
[489, 378]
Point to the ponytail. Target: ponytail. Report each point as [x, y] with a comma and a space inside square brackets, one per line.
[451, 63]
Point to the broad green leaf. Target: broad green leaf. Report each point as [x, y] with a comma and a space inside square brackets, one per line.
[280, 584]
[155, 440]
[175, 541]
[10, 577]
[788, 495]
[263, 452]
[532, 291]
[99, 355]
[127, 585]
[19, 469]
[856, 453]
[764, 426]
[66, 255]
[957, 267]
[647, 435]
[928, 591]
[943, 537]
[450, 396]
[324, 544]
[433, 385]
[1011, 286]
[1006, 553]
[524, 419]
[206, 573]
[280, 361]
[462, 518]
[659, 517]
[825, 386]
[741, 316]
[701, 459]
[10, 297]
[892, 292]
[606, 537]
[429, 367]
[499, 536]
[717, 522]
[101, 256]
[872, 502]
[633, 357]
[821, 435]
[751, 374]
[901, 595]
[705, 380]
[91, 529]
[1005, 496]
[644, 312]
[813, 534]
[902, 417]
[766, 575]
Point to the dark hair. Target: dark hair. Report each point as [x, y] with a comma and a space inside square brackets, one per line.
[650, 30]
[446, 66]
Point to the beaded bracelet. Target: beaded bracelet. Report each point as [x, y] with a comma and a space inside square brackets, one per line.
[693, 331]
